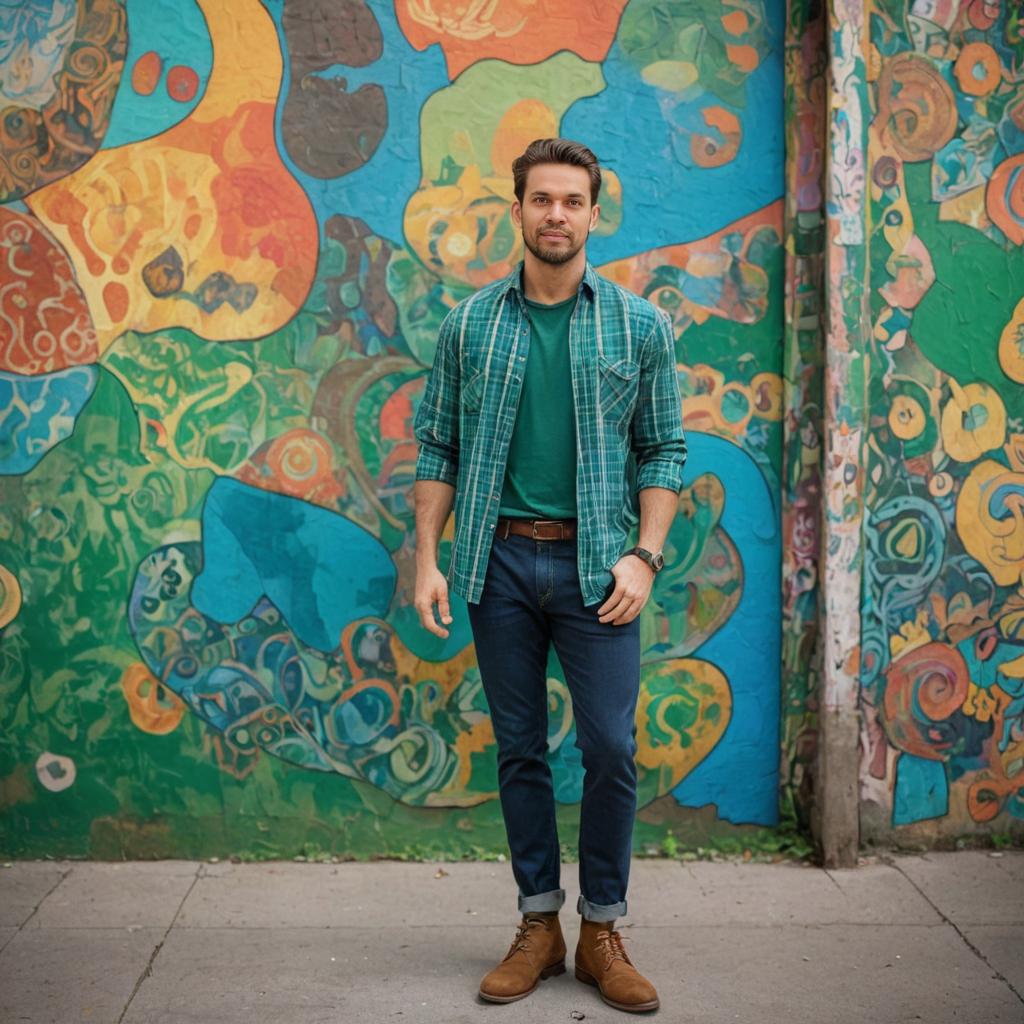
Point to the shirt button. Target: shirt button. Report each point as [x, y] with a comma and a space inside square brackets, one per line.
[521, 358]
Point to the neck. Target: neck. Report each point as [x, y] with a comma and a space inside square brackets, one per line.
[550, 283]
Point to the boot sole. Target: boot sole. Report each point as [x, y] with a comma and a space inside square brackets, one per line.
[548, 972]
[589, 979]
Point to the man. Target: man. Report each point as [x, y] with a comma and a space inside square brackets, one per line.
[551, 418]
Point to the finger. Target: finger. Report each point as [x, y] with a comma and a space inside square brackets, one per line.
[611, 594]
[443, 608]
[426, 614]
[616, 608]
[630, 613]
[628, 616]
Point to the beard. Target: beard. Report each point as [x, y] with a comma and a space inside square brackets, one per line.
[554, 256]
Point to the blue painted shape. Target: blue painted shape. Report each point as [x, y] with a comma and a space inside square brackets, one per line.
[375, 192]
[681, 203]
[741, 774]
[921, 790]
[406, 623]
[37, 413]
[321, 570]
[180, 36]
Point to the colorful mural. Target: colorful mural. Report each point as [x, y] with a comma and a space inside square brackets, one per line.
[802, 405]
[230, 233]
[942, 641]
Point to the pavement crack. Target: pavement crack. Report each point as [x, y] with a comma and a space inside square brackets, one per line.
[833, 881]
[967, 942]
[160, 945]
[35, 910]
[696, 880]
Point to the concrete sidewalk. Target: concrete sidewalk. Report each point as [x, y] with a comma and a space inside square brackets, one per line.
[937, 938]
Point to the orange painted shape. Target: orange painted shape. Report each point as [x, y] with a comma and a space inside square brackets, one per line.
[44, 319]
[115, 298]
[146, 73]
[977, 69]
[517, 31]
[735, 22]
[182, 84]
[745, 57]
[211, 196]
[153, 707]
[718, 149]
[1004, 198]
[523, 122]
[10, 596]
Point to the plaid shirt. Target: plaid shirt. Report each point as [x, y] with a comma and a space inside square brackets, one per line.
[629, 427]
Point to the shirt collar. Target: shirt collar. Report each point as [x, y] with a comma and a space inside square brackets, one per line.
[514, 281]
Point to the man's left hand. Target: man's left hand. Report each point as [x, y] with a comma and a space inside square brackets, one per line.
[633, 581]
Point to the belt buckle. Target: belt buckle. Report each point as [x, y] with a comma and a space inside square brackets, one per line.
[547, 522]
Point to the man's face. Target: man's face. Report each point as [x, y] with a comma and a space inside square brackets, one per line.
[556, 215]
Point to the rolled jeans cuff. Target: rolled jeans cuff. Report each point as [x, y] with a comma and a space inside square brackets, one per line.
[596, 912]
[542, 902]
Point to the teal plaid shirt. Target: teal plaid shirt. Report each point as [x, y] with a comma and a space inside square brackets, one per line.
[629, 426]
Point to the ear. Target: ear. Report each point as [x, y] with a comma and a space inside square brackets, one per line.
[595, 215]
[517, 214]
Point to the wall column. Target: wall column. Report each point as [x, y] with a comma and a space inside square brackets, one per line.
[845, 422]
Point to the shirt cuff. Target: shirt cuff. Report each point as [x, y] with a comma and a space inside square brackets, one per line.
[657, 473]
[431, 466]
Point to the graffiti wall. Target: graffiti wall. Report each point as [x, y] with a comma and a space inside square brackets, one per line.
[942, 654]
[228, 234]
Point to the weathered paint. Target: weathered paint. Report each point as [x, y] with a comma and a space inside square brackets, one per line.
[216, 328]
[804, 234]
[844, 415]
[942, 684]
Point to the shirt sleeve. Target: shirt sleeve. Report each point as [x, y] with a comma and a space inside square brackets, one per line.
[657, 430]
[436, 426]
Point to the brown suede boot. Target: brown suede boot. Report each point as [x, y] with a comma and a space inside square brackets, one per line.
[602, 961]
[537, 951]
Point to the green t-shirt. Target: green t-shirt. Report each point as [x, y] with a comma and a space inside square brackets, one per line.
[540, 477]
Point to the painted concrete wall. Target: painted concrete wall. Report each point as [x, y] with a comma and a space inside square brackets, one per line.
[942, 625]
[228, 234]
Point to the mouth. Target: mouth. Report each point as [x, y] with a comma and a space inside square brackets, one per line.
[553, 235]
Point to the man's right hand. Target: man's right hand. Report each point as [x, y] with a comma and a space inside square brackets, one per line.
[431, 589]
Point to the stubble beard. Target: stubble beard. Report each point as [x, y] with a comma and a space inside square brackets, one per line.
[553, 257]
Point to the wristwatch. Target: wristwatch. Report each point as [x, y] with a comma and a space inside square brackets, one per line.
[655, 561]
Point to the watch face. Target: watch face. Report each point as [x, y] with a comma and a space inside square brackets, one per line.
[658, 562]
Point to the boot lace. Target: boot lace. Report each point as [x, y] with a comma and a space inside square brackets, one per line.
[522, 940]
[610, 943]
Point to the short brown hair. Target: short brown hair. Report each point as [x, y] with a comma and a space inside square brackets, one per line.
[556, 151]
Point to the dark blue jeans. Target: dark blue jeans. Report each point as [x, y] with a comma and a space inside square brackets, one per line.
[531, 598]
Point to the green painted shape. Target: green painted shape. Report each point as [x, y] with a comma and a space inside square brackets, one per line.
[977, 285]
[458, 123]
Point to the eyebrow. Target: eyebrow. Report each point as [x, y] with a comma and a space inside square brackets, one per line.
[568, 195]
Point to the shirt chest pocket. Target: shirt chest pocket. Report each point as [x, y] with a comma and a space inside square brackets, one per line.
[617, 383]
[472, 397]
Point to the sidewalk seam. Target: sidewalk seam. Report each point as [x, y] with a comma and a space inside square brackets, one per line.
[35, 910]
[967, 942]
[148, 970]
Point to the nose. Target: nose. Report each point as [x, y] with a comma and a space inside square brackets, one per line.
[556, 213]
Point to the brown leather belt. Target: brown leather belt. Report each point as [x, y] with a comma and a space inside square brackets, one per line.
[538, 529]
